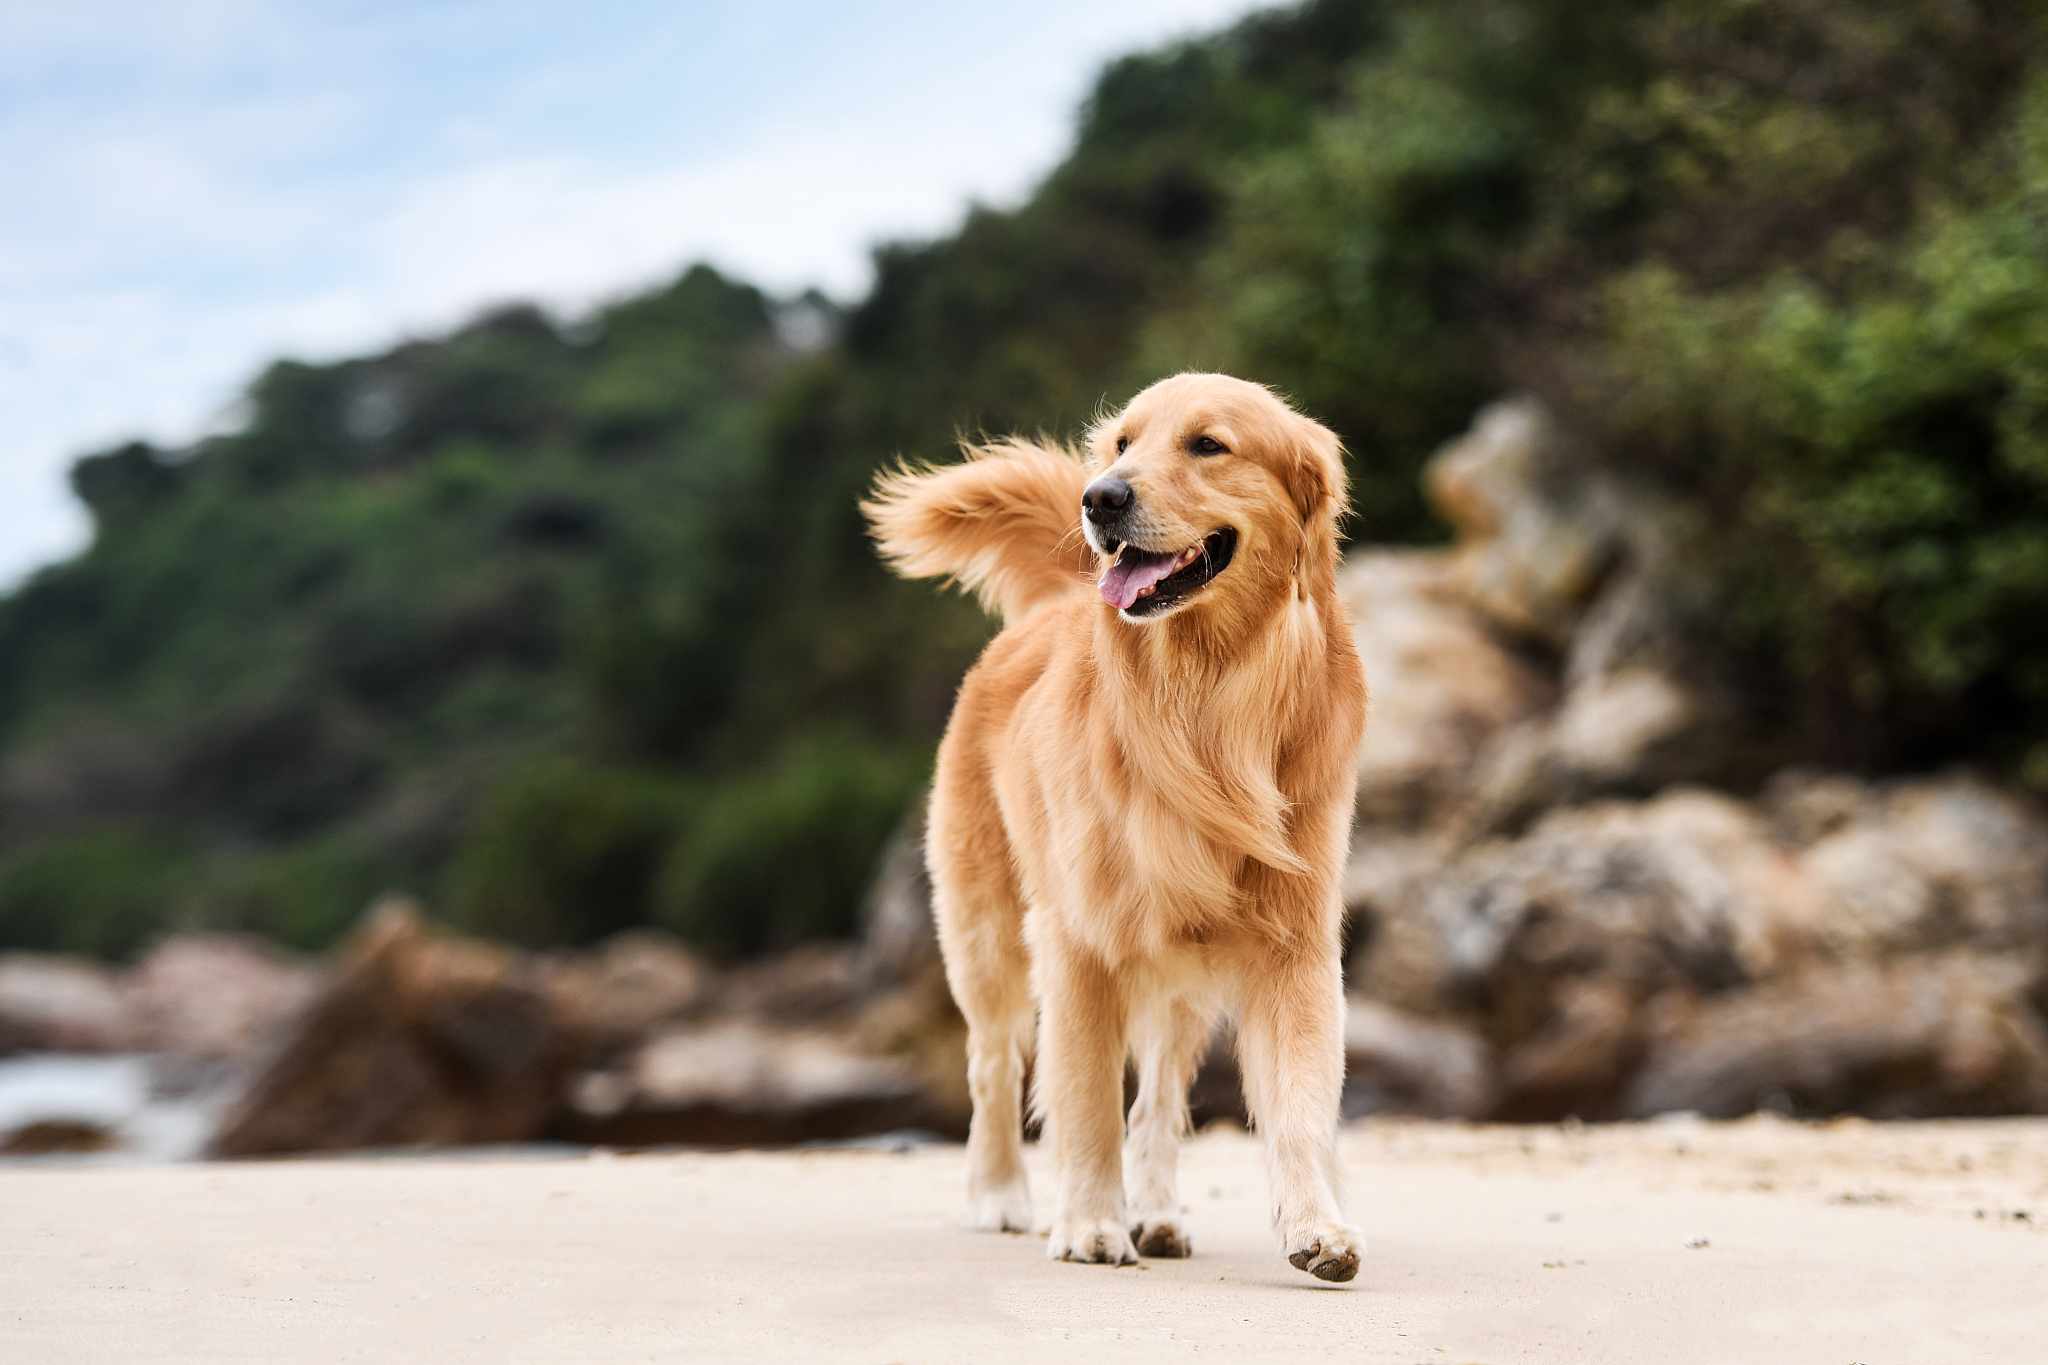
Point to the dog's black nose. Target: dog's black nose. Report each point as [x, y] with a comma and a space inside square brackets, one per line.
[1105, 498]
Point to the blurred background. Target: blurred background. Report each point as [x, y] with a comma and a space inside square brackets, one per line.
[483, 402]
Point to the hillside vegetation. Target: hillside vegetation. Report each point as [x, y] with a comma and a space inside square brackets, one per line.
[572, 627]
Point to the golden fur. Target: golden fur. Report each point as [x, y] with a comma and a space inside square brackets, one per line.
[1138, 822]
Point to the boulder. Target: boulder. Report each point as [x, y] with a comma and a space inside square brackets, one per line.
[413, 1039]
[1444, 687]
[214, 996]
[1583, 950]
[1536, 533]
[899, 941]
[742, 1082]
[50, 1003]
[1915, 1037]
[1401, 1064]
[613, 996]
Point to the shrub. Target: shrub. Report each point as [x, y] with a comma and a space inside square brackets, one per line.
[782, 857]
[565, 852]
[102, 892]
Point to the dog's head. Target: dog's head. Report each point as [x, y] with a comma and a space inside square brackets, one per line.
[1208, 488]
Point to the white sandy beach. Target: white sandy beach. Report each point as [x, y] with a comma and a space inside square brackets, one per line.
[1922, 1242]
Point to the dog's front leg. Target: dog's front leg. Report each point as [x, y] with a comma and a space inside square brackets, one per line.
[1291, 1047]
[1168, 1044]
[1079, 1092]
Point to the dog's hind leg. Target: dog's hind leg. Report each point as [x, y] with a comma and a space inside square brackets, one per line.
[1291, 1050]
[998, 1041]
[1167, 1043]
[981, 932]
[979, 912]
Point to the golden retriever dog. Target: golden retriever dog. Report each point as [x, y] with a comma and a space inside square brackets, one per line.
[1143, 801]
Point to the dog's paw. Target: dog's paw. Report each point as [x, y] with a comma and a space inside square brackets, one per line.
[1007, 1209]
[1100, 1241]
[1328, 1251]
[1162, 1237]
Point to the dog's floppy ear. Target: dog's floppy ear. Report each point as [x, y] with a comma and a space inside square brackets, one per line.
[1316, 477]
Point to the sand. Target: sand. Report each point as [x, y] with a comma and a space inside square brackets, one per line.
[1750, 1242]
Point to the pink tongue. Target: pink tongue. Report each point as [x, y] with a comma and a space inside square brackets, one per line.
[1131, 575]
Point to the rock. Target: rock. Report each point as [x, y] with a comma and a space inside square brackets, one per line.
[1555, 551]
[1575, 1065]
[810, 982]
[1640, 710]
[744, 1083]
[215, 996]
[1573, 948]
[1646, 894]
[1917, 1037]
[1536, 537]
[1444, 687]
[1609, 727]
[62, 1004]
[1920, 864]
[414, 1039]
[632, 983]
[899, 940]
[1399, 1064]
[50, 1137]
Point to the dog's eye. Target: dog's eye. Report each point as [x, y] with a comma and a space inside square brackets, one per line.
[1208, 445]
[1121, 443]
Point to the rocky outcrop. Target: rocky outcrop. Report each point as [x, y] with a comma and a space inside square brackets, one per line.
[414, 1039]
[1586, 948]
[1925, 1034]
[220, 997]
[417, 1038]
[209, 997]
[1542, 863]
[59, 1004]
[612, 996]
[739, 1082]
[1568, 849]
[1444, 687]
[1585, 579]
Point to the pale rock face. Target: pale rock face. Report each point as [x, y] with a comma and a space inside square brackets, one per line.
[615, 993]
[1442, 686]
[745, 1065]
[1607, 724]
[1414, 1065]
[1947, 1033]
[58, 1004]
[1591, 947]
[1527, 559]
[215, 995]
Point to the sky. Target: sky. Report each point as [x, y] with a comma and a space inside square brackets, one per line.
[193, 189]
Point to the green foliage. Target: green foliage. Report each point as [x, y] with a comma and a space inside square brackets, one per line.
[1822, 321]
[304, 894]
[784, 856]
[102, 892]
[566, 853]
[1880, 454]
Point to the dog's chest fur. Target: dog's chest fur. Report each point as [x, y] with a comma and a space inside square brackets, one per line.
[1151, 844]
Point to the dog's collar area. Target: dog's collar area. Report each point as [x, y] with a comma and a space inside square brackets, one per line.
[1146, 582]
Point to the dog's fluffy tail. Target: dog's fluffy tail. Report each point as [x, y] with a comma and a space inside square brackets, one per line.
[1006, 524]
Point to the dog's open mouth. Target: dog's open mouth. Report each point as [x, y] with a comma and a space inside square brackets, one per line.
[1139, 581]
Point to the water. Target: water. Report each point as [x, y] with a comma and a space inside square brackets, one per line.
[149, 1114]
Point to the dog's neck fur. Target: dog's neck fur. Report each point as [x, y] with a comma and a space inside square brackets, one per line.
[1227, 783]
